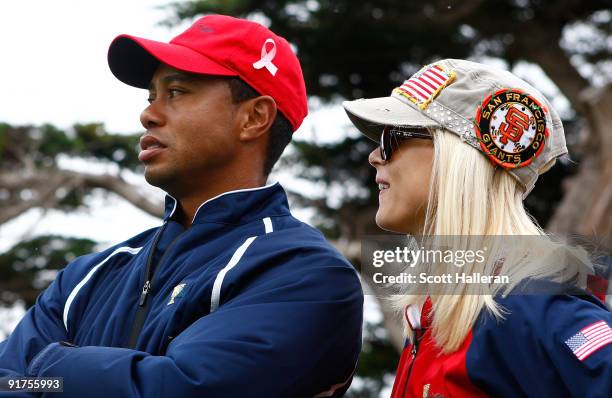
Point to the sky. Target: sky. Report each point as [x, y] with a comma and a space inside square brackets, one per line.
[56, 72]
[56, 60]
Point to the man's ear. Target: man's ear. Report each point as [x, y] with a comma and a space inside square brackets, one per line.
[257, 115]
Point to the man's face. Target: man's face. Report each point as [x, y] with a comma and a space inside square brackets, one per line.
[190, 125]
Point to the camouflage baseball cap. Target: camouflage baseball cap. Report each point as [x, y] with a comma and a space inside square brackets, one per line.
[491, 110]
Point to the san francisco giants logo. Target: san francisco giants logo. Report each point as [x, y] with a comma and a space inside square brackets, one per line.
[514, 127]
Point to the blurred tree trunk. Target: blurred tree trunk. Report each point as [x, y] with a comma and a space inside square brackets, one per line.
[586, 207]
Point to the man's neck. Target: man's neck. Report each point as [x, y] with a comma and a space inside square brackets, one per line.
[188, 204]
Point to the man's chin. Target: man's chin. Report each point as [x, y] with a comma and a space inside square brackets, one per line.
[156, 177]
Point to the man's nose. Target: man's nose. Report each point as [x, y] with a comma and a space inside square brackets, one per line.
[152, 116]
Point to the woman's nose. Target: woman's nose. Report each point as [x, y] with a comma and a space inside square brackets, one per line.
[374, 158]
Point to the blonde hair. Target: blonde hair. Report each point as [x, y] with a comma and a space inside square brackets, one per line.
[471, 199]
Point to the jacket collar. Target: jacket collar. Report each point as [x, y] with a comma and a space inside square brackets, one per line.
[419, 318]
[239, 206]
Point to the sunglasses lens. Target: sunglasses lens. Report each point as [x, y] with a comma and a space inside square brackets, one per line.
[385, 144]
[392, 135]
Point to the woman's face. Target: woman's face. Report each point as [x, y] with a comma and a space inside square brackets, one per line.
[404, 185]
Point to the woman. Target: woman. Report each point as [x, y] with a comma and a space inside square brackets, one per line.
[461, 145]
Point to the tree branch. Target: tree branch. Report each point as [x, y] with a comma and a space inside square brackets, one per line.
[125, 190]
[47, 182]
[46, 193]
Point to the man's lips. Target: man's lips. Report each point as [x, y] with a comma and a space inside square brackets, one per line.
[150, 146]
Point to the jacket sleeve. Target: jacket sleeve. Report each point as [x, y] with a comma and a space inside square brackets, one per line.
[531, 352]
[579, 343]
[41, 325]
[292, 336]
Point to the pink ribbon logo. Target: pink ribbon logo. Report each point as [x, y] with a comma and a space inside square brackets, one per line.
[266, 58]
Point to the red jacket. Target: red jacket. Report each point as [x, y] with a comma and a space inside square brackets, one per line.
[536, 351]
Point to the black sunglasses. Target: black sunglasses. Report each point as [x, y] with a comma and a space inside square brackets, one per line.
[391, 135]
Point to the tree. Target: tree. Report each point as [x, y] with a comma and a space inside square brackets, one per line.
[30, 266]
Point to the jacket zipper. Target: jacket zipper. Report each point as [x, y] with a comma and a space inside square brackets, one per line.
[143, 303]
[415, 348]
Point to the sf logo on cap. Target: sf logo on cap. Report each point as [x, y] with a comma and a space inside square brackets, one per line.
[267, 57]
[515, 124]
[511, 128]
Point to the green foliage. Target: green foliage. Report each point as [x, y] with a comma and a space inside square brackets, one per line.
[343, 161]
[24, 269]
[24, 150]
[44, 144]
[54, 141]
[4, 129]
[97, 143]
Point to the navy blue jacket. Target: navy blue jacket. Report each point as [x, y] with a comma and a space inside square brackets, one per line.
[247, 302]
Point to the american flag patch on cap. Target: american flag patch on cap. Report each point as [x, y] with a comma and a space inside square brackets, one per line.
[425, 85]
[590, 339]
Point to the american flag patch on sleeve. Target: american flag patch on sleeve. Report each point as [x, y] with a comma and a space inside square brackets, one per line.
[425, 85]
[590, 339]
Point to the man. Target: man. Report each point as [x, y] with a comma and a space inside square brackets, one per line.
[231, 296]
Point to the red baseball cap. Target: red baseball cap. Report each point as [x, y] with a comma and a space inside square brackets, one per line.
[223, 46]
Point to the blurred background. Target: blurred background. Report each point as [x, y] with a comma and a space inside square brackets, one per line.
[71, 183]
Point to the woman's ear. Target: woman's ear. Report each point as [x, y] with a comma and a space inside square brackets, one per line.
[257, 117]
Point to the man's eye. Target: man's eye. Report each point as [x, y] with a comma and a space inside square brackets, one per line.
[173, 92]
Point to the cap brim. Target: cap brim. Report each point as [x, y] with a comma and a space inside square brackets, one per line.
[370, 115]
[133, 60]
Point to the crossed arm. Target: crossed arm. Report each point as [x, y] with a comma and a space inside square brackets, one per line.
[255, 346]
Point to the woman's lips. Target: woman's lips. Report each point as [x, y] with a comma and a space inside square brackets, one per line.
[383, 186]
